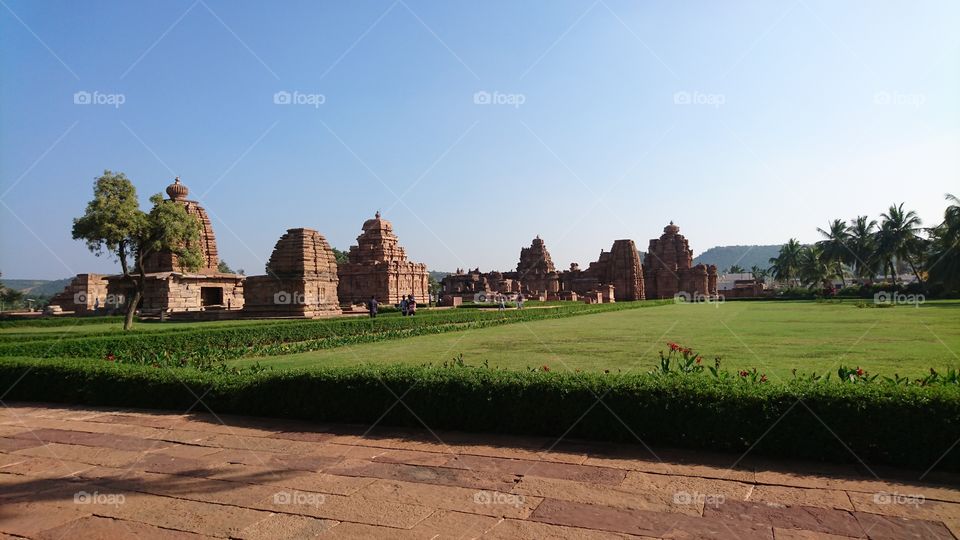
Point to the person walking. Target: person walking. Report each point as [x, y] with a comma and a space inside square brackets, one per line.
[412, 306]
[502, 300]
[372, 306]
[404, 306]
[519, 300]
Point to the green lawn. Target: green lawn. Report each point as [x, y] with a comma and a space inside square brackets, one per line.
[774, 337]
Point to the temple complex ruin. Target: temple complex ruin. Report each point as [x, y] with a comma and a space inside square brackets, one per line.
[669, 271]
[377, 266]
[301, 279]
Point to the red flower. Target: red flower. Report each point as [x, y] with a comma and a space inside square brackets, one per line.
[744, 373]
[763, 378]
[673, 346]
[110, 357]
[699, 359]
[544, 367]
[860, 372]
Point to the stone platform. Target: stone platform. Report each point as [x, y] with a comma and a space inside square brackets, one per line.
[68, 472]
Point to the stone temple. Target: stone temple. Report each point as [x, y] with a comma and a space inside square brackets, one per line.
[377, 266]
[668, 268]
[301, 279]
[620, 268]
[536, 271]
[168, 288]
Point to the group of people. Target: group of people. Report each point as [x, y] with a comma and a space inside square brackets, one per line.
[408, 305]
[502, 301]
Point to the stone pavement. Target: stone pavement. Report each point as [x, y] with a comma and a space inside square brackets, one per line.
[101, 473]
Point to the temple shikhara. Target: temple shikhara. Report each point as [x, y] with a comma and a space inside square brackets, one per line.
[668, 268]
[304, 280]
[301, 279]
[377, 266]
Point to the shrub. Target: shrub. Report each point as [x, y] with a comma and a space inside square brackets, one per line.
[911, 426]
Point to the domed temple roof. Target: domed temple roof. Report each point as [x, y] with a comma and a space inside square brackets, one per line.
[177, 191]
[377, 224]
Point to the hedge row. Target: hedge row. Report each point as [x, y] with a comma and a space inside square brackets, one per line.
[224, 342]
[879, 424]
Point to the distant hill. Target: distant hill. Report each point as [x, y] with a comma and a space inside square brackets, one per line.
[438, 275]
[745, 256]
[36, 287]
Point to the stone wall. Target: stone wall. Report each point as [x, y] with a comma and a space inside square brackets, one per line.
[84, 295]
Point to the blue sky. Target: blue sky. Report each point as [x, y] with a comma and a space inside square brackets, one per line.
[474, 126]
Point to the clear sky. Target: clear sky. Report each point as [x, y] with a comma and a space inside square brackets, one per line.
[474, 126]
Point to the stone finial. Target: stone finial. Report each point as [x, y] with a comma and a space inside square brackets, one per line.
[177, 191]
[377, 215]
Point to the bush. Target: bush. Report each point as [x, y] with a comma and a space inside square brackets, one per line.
[909, 426]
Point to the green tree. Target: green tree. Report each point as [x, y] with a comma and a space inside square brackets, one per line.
[834, 246]
[736, 269]
[786, 265]
[114, 223]
[224, 268]
[9, 298]
[340, 256]
[862, 244]
[813, 269]
[944, 259]
[759, 274]
[900, 239]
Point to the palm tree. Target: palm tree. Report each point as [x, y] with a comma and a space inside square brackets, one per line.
[736, 269]
[944, 267]
[813, 266]
[786, 264]
[902, 237]
[862, 244]
[834, 246]
[759, 274]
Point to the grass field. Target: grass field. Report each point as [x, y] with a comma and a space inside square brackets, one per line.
[774, 337]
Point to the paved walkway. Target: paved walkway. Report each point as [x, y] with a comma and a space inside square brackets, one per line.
[96, 473]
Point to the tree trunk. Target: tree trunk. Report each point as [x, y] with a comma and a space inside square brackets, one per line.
[917, 274]
[843, 282]
[131, 309]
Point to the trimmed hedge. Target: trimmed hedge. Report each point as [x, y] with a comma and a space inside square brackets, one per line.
[274, 338]
[913, 426]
